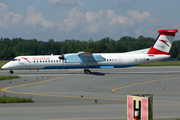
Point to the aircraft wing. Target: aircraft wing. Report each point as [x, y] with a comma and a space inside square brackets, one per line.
[83, 57]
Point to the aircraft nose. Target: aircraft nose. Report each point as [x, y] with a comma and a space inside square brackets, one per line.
[6, 66]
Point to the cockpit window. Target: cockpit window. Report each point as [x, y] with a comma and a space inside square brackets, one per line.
[16, 59]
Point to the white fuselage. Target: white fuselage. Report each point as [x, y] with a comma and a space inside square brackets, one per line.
[112, 60]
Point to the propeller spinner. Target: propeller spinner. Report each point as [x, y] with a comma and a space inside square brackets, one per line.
[61, 57]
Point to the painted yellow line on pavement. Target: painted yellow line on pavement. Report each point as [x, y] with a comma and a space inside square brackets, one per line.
[65, 96]
[6, 90]
[115, 89]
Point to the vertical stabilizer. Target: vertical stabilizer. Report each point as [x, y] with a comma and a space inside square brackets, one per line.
[163, 42]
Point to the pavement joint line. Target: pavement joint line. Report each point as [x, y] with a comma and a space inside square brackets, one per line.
[109, 118]
[106, 118]
[63, 111]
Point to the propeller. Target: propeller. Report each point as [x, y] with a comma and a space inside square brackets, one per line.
[61, 56]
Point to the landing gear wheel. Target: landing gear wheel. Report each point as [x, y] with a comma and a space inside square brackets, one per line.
[11, 72]
[87, 71]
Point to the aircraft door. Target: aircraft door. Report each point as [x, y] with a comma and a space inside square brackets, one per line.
[24, 63]
[119, 60]
[28, 64]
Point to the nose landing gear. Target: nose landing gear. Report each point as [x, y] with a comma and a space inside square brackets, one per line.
[11, 72]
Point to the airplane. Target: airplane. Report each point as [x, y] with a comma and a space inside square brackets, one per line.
[85, 60]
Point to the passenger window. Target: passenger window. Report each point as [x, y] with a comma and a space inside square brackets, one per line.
[59, 60]
[51, 61]
[34, 61]
[48, 60]
[110, 60]
[40, 60]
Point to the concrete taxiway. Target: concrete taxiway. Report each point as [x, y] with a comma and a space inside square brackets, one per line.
[71, 94]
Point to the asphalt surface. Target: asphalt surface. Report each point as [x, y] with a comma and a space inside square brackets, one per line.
[71, 94]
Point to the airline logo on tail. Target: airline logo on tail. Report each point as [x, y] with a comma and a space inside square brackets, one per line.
[164, 41]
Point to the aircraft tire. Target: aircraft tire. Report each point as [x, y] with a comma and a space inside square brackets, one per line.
[88, 72]
[11, 72]
[85, 71]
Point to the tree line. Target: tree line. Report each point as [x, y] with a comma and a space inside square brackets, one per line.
[10, 48]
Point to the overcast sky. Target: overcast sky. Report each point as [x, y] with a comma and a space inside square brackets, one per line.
[87, 19]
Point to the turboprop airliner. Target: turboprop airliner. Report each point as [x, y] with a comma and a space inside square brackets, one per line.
[86, 60]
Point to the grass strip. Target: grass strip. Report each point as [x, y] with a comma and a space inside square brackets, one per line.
[6, 99]
[8, 77]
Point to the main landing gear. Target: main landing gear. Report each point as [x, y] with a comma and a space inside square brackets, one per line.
[11, 72]
[86, 71]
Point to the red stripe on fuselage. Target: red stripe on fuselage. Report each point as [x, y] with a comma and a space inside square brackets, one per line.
[25, 59]
[155, 51]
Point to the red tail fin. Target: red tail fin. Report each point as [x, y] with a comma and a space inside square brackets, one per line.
[163, 42]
